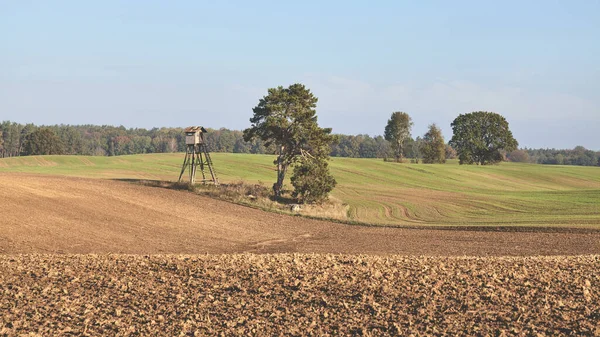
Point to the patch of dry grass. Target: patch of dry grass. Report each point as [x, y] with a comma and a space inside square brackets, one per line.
[333, 208]
[259, 196]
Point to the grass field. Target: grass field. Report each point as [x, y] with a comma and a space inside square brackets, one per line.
[379, 192]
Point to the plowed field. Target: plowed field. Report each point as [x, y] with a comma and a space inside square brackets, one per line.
[297, 295]
[53, 214]
[104, 293]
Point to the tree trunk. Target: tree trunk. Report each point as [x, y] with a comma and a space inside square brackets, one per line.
[277, 188]
[281, 169]
[398, 152]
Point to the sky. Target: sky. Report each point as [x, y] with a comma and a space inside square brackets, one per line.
[180, 63]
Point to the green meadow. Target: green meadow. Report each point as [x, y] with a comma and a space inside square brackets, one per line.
[378, 192]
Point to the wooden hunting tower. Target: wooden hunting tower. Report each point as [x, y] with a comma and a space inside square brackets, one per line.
[196, 154]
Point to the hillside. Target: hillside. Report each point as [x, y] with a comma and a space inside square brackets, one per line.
[53, 214]
[387, 193]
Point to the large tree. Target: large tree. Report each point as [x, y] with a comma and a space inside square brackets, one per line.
[286, 118]
[397, 130]
[479, 137]
[434, 147]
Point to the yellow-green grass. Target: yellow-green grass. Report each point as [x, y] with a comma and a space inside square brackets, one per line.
[379, 192]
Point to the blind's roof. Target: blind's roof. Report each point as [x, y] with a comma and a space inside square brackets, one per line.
[194, 129]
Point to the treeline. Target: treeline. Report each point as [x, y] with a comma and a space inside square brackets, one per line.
[577, 156]
[93, 140]
[365, 146]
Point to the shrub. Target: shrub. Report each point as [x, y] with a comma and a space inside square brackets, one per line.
[312, 181]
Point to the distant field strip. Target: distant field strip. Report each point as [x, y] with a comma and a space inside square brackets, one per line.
[379, 192]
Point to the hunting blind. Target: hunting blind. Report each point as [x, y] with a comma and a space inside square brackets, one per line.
[196, 154]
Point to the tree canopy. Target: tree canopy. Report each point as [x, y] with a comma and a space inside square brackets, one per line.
[397, 131]
[43, 142]
[286, 118]
[479, 137]
[434, 147]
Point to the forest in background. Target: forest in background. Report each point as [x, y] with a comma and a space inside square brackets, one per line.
[93, 140]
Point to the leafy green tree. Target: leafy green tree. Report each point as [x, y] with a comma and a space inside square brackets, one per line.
[71, 139]
[396, 131]
[368, 147]
[122, 145]
[226, 141]
[434, 147]
[11, 132]
[479, 137]
[142, 144]
[25, 131]
[312, 181]
[417, 149]
[257, 146]
[241, 146]
[286, 118]
[348, 146]
[408, 147]
[383, 147]
[43, 142]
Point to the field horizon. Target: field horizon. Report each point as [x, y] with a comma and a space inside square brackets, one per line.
[386, 193]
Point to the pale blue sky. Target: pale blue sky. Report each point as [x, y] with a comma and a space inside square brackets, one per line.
[177, 63]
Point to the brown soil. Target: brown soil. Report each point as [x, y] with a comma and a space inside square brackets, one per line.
[298, 295]
[52, 214]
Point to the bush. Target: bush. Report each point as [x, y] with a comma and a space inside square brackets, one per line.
[312, 181]
[519, 156]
